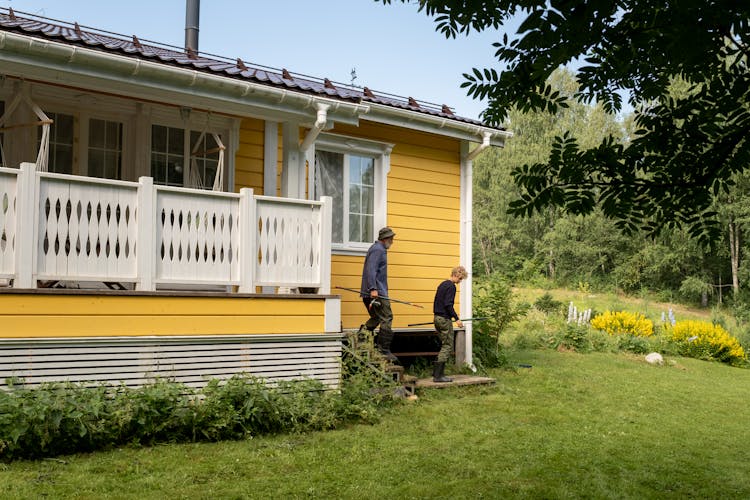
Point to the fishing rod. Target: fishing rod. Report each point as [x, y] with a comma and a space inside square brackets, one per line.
[461, 320]
[381, 297]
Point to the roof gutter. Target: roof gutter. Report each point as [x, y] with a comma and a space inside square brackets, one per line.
[436, 125]
[33, 57]
[30, 57]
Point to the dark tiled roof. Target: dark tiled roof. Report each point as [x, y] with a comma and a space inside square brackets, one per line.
[110, 42]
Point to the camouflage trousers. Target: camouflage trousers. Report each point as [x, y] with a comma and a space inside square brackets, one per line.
[380, 314]
[444, 327]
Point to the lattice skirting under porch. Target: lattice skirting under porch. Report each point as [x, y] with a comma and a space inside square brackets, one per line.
[136, 361]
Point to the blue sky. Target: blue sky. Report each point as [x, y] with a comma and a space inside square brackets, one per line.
[393, 48]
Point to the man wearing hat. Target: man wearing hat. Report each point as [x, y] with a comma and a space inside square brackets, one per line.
[375, 288]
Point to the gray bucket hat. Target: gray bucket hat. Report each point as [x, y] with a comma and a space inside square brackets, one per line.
[386, 232]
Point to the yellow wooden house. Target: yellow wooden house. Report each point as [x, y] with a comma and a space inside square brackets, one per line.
[168, 214]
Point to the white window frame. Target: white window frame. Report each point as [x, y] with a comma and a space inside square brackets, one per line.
[381, 153]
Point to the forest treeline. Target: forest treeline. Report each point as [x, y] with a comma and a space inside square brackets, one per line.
[576, 251]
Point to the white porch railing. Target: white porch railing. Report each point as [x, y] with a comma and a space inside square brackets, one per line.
[71, 228]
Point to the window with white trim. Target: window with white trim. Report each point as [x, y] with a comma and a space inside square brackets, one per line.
[168, 155]
[61, 134]
[105, 149]
[169, 163]
[353, 173]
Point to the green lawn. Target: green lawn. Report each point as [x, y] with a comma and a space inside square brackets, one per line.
[596, 426]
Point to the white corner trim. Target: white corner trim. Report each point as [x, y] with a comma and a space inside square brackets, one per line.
[466, 176]
[333, 315]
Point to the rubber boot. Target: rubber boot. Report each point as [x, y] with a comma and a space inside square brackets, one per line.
[438, 373]
[384, 346]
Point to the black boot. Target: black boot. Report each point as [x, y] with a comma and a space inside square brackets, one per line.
[438, 373]
[384, 346]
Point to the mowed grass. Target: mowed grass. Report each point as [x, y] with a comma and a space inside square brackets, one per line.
[572, 426]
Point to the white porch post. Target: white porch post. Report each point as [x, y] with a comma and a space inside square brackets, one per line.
[466, 247]
[270, 157]
[26, 228]
[293, 172]
[146, 234]
[247, 228]
[270, 166]
[326, 229]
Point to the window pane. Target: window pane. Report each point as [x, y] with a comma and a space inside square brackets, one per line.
[368, 200]
[368, 171]
[60, 143]
[96, 133]
[329, 181]
[176, 141]
[159, 168]
[112, 164]
[114, 135]
[355, 233]
[174, 171]
[367, 232]
[105, 154]
[354, 200]
[63, 160]
[355, 172]
[96, 163]
[159, 138]
[167, 155]
[64, 128]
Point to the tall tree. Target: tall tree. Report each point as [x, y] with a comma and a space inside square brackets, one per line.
[686, 150]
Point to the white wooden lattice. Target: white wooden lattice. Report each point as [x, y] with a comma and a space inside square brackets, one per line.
[197, 237]
[87, 229]
[8, 189]
[288, 243]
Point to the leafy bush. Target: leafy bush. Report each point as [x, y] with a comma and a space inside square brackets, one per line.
[496, 303]
[65, 418]
[703, 340]
[633, 343]
[547, 304]
[623, 323]
[487, 351]
[574, 337]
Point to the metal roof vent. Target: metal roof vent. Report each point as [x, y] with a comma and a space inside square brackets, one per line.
[192, 21]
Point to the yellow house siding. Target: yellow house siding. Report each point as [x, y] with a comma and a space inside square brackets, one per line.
[249, 158]
[424, 210]
[58, 315]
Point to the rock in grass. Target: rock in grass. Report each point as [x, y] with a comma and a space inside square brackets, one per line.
[654, 358]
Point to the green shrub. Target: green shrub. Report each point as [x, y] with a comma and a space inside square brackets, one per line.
[704, 340]
[548, 305]
[603, 342]
[496, 303]
[574, 337]
[66, 418]
[487, 351]
[634, 344]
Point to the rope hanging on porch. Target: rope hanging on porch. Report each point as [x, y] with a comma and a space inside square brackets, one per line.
[44, 121]
[194, 177]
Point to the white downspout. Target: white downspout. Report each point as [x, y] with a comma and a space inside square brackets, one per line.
[485, 144]
[466, 232]
[466, 249]
[313, 133]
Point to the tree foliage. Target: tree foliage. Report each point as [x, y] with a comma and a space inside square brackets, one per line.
[685, 149]
[572, 250]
